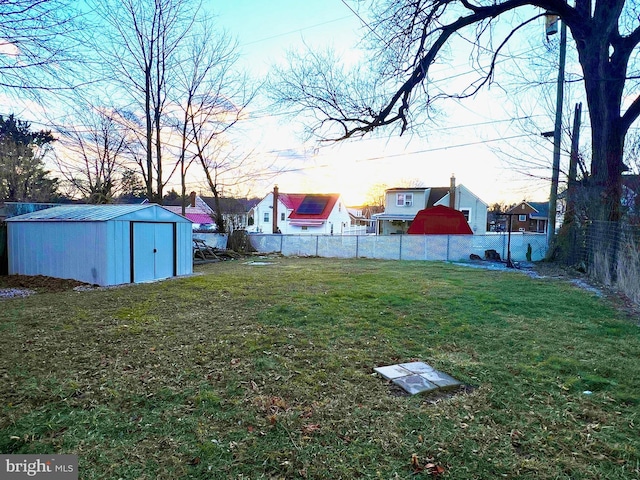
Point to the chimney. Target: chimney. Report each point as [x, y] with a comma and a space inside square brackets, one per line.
[192, 196]
[452, 192]
[274, 222]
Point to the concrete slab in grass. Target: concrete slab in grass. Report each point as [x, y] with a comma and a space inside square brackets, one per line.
[417, 377]
[415, 384]
[392, 371]
[442, 380]
[418, 367]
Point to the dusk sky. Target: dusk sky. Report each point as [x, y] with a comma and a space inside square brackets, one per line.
[481, 140]
[462, 144]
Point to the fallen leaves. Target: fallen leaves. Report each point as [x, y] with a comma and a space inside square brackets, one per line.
[430, 468]
[310, 428]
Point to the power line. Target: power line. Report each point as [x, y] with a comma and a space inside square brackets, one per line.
[363, 21]
[278, 35]
[448, 147]
[416, 152]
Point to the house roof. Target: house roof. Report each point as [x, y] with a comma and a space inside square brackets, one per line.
[291, 200]
[541, 209]
[436, 194]
[83, 213]
[195, 214]
[231, 205]
[314, 207]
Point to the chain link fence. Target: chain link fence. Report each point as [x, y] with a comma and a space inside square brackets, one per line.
[608, 251]
[521, 246]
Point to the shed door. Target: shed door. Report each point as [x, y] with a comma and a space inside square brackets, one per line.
[153, 251]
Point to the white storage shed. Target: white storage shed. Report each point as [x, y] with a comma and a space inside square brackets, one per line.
[101, 244]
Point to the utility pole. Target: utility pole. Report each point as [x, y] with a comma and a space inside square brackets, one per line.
[557, 135]
[570, 213]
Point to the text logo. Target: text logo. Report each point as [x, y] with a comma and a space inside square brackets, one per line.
[45, 467]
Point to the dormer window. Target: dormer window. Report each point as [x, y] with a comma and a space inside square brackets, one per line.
[404, 199]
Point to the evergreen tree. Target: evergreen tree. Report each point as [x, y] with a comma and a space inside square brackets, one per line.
[22, 171]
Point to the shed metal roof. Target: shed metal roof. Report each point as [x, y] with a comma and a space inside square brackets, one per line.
[82, 213]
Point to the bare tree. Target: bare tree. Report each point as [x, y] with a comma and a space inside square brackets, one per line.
[206, 87]
[411, 36]
[376, 194]
[37, 40]
[214, 98]
[141, 50]
[94, 156]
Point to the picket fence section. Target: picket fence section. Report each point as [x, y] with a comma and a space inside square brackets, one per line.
[454, 248]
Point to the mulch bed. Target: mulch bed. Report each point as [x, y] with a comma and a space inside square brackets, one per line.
[39, 283]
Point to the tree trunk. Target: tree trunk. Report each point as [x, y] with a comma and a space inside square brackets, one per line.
[604, 79]
[221, 227]
[149, 132]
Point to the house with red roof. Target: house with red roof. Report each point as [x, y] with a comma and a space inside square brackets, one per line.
[300, 213]
[200, 214]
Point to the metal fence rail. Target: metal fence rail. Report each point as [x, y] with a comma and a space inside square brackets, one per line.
[404, 247]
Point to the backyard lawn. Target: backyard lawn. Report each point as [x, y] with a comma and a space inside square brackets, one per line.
[265, 370]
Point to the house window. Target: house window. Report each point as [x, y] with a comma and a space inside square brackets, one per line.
[404, 199]
[522, 218]
[467, 213]
[304, 227]
[266, 217]
[282, 216]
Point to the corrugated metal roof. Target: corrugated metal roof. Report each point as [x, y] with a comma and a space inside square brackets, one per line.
[81, 213]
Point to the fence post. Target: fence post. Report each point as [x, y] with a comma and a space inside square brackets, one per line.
[504, 244]
[281, 240]
[400, 253]
[357, 244]
[317, 242]
[448, 247]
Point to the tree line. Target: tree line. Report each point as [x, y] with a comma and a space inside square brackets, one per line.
[150, 90]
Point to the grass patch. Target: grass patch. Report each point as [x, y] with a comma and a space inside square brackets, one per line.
[266, 372]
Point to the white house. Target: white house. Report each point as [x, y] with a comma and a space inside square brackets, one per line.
[402, 205]
[300, 213]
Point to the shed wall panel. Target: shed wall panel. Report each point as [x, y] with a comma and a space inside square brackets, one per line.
[59, 249]
[184, 249]
[118, 244]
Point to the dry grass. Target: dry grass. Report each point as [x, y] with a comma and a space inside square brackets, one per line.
[250, 371]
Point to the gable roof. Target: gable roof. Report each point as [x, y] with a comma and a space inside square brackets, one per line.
[407, 189]
[314, 206]
[90, 213]
[291, 200]
[541, 209]
[230, 205]
[436, 194]
[195, 214]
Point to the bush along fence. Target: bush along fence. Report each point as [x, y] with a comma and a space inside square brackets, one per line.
[609, 252]
[456, 248]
